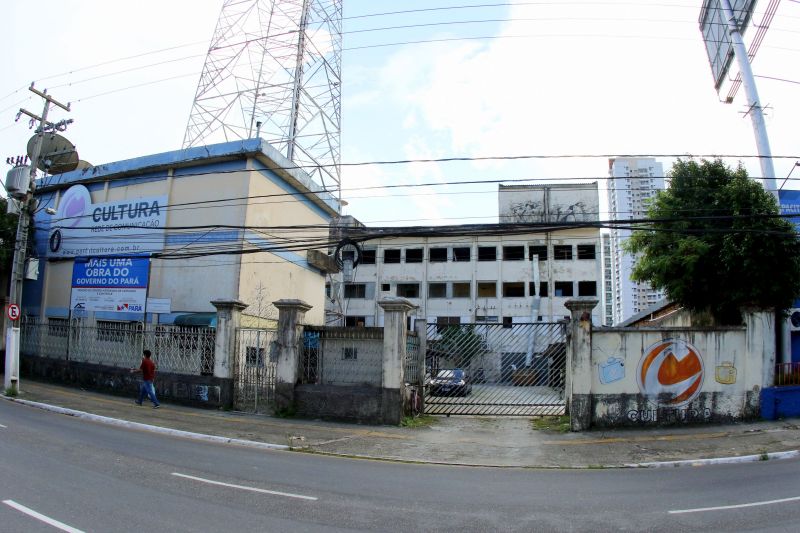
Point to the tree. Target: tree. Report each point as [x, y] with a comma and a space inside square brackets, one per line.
[8, 236]
[717, 244]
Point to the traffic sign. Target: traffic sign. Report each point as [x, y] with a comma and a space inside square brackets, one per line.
[12, 311]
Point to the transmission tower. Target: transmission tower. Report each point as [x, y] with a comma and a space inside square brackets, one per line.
[273, 70]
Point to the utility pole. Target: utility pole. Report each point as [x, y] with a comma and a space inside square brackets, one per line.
[21, 244]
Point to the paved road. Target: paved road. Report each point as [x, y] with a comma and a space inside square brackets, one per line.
[94, 477]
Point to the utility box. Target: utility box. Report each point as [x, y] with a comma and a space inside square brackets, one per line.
[32, 268]
[18, 182]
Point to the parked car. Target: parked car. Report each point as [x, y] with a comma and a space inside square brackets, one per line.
[453, 382]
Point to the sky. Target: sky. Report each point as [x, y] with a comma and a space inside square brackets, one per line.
[553, 79]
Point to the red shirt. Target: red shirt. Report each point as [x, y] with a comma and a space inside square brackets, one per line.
[148, 369]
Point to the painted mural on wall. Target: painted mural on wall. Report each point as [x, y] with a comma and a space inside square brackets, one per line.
[533, 211]
[671, 371]
[611, 370]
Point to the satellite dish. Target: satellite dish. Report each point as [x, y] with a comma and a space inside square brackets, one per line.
[83, 164]
[57, 154]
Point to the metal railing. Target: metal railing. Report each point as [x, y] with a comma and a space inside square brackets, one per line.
[787, 374]
[255, 368]
[414, 370]
[177, 349]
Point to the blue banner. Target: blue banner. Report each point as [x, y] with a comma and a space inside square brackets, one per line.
[111, 273]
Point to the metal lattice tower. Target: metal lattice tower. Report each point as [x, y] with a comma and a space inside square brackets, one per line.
[277, 63]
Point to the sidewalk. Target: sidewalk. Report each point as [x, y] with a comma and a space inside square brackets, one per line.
[461, 440]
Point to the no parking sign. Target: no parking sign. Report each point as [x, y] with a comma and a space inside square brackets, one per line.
[12, 312]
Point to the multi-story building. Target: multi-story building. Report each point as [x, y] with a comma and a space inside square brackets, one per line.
[632, 183]
[607, 294]
[486, 273]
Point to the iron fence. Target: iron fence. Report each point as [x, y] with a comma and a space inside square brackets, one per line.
[255, 367]
[787, 374]
[414, 370]
[177, 349]
[496, 369]
[342, 356]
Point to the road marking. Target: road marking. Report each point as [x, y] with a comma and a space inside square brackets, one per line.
[739, 506]
[46, 519]
[242, 487]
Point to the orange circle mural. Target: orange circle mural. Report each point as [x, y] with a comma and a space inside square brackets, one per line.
[672, 371]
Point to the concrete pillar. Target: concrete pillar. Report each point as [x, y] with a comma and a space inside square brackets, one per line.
[760, 357]
[395, 311]
[289, 340]
[229, 313]
[578, 384]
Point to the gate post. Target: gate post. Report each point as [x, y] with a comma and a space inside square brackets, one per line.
[288, 339]
[395, 311]
[578, 381]
[229, 314]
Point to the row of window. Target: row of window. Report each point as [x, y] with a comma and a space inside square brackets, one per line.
[485, 289]
[485, 253]
[442, 323]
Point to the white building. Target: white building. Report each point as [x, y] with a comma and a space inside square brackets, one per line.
[607, 294]
[632, 183]
[479, 273]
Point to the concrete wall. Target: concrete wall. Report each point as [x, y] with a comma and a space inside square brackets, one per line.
[362, 404]
[197, 391]
[671, 375]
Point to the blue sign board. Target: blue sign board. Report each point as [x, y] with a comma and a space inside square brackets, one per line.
[790, 205]
[110, 284]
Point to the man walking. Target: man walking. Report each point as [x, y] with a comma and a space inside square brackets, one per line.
[148, 370]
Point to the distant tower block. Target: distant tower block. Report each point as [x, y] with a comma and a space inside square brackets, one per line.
[277, 63]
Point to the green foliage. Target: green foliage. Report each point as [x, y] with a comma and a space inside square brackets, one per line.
[463, 341]
[8, 235]
[11, 392]
[416, 422]
[560, 424]
[717, 244]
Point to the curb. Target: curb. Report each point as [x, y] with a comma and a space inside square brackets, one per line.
[719, 460]
[148, 427]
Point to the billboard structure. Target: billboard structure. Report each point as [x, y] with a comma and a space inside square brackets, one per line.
[714, 26]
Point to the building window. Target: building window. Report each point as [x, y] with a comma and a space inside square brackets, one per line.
[438, 255]
[513, 289]
[490, 319]
[562, 288]
[487, 289]
[540, 250]
[462, 290]
[254, 356]
[58, 327]
[562, 252]
[513, 253]
[437, 290]
[355, 321]
[349, 353]
[355, 290]
[414, 255]
[543, 289]
[391, 256]
[385, 287]
[368, 257]
[108, 331]
[408, 290]
[587, 288]
[586, 251]
[508, 321]
[328, 290]
[443, 322]
[461, 254]
[487, 253]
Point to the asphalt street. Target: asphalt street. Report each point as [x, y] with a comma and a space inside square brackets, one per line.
[93, 477]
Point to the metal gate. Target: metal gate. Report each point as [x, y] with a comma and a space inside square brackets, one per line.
[496, 369]
[254, 370]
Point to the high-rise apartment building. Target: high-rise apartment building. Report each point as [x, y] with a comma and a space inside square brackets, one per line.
[632, 183]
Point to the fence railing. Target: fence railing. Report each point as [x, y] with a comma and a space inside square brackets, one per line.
[342, 356]
[414, 370]
[177, 349]
[787, 374]
[255, 368]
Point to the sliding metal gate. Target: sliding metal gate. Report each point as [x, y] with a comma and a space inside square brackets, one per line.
[496, 369]
[254, 370]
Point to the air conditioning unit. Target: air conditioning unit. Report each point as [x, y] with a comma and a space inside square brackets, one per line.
[794, 319]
